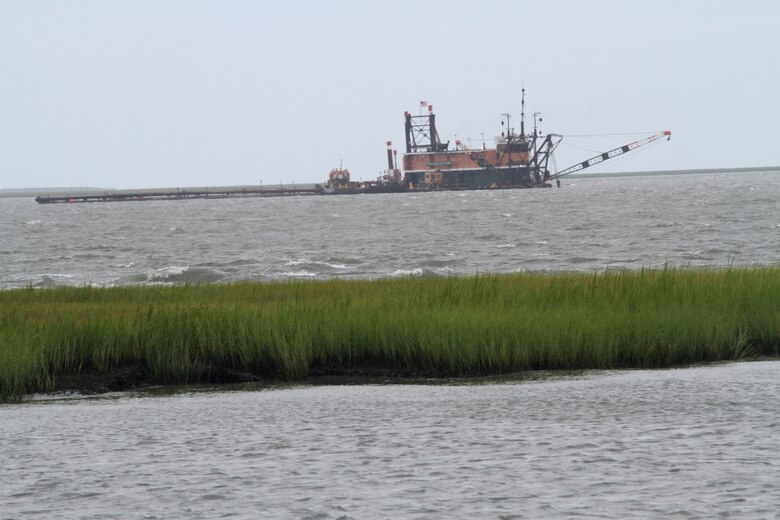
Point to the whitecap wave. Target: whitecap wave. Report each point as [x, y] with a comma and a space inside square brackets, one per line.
[299, 274]
[128, 264]
[316, 263]
[399, 273]
[165, 273]
[183, 274]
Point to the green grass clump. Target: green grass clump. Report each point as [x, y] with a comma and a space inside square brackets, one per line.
[453, 326]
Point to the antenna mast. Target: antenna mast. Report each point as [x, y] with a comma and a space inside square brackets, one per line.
[522, 114]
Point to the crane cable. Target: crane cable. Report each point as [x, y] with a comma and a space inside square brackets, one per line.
[688, 155]
[627, 158]
[613, 135]
[593, 150]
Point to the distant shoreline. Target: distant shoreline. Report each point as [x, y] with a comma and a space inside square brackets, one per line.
[699, 171]
[55, 191]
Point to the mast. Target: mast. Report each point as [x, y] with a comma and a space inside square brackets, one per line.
[537, 117]
[522, 114]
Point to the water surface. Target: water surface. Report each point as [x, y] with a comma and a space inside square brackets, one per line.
[688, 443]
[589, 224]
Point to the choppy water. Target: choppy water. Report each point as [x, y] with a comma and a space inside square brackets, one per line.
[590, 224]
[689, 443]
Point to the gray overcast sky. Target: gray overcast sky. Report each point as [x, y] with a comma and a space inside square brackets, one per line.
[204, 93]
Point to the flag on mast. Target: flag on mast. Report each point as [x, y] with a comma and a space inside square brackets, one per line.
[423, 103]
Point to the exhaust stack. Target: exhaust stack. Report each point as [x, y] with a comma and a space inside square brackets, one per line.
[390, 155]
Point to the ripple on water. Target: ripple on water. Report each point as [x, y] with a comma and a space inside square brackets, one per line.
[690, 443]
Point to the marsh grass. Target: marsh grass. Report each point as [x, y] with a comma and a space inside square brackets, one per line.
[454, 326]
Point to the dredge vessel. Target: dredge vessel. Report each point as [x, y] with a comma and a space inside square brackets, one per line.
[519, 160]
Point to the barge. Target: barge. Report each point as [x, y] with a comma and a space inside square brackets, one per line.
[518, 160]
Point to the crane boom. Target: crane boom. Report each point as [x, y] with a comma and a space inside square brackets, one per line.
[611, 154]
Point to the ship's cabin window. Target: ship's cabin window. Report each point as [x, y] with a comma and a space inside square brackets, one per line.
[518, 147]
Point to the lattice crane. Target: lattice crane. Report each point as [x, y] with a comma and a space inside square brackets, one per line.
[600, 158]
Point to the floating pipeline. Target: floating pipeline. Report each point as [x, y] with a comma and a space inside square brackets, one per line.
[185, 194]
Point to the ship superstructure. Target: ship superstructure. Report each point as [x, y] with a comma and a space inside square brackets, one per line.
[518, 160]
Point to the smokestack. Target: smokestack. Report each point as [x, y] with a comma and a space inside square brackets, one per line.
[389, 155]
